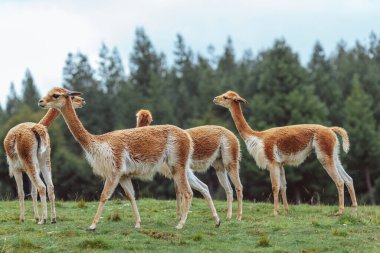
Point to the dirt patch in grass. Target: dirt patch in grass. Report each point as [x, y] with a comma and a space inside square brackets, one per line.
[25, 244]
[93, 244]
[161, 235]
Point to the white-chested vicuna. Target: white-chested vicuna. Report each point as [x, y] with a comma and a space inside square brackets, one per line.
[121, 155]
[290, 145]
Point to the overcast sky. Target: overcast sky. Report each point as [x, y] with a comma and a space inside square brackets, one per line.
[39, 34]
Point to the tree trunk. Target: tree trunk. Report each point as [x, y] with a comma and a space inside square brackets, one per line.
[369, 186]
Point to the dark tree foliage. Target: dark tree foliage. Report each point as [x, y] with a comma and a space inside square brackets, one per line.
[340, 88]
[29, 91]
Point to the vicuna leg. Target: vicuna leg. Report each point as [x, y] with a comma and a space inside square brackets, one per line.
[283, 189]
[178, 199]
[233, 172]
[198, 185]
[39, 184]
[329, 166]
[275, 177]
[347, 180]
[182, 183]
[35, 203]
[127, 186]
[20, 192]
[108, 189]
[225, 183]
[46, 173]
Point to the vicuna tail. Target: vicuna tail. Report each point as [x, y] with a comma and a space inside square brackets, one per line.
[344, 135]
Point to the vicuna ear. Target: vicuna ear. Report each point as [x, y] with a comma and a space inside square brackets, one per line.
[74, 93]
[240, 100]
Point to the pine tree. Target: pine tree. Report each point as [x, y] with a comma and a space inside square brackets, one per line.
[326, 88]
[29, 90]
[364, 137]
[13, 101]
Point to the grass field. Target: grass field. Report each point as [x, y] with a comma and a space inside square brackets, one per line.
[304, 229]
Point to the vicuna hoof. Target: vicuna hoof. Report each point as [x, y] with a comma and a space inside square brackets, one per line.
[91, 228]
[43, 221]
[137, 226]
[179, 226]
[217, 224]
[53, 221]
[339, 213]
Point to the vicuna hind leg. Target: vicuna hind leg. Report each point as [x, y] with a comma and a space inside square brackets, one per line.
[233, 172]
[46, 173]
[108, 189]
[182, 183]
[32, 171]
[20, 192]
[283, 189]
[178, 200]
[347, 180]
[34, 194]
[198, 185]
[221, 173]
[329, 166]
[127, 186]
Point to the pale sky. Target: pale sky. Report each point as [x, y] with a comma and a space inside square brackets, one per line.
[39, 34]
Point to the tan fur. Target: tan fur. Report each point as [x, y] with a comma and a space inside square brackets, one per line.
[216, 146]
[27, 147]
[121, 155]
[143, 118]
[290, 145]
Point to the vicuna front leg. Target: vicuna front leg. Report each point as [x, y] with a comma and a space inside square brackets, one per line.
[275, 177]
[20, 192]
[109, 188]
[283, 189]
[127, 186]
[182, 183]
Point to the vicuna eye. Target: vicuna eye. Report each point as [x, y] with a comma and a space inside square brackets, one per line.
[224, 97]
[56, 96]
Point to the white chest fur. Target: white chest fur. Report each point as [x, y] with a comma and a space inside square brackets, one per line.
[255, 147]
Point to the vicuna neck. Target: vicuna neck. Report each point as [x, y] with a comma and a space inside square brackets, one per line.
[241, 124]
[75, 125]
[49, 117]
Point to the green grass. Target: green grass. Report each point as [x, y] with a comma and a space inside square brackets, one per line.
[304, 229]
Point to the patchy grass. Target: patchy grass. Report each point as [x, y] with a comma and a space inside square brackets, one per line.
[304, 229]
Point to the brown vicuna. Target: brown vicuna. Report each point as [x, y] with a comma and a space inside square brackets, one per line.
[27, 147]
[213, 146]
[274, 148]
[121, 155]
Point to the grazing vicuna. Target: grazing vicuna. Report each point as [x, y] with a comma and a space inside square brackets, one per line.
[213, 146]
[27, 147]
[274, 148]
[121, 155]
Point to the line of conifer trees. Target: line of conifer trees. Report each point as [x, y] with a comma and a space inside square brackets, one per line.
[341, 88]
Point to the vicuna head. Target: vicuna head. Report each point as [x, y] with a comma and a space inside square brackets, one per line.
[78, 102]
[143, 118]
[228, 99]
[57, 98]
